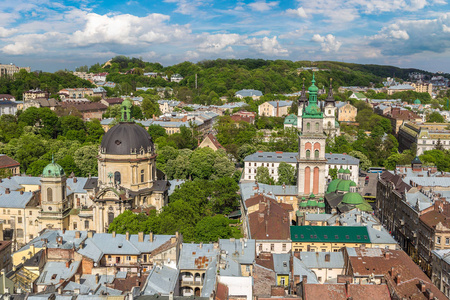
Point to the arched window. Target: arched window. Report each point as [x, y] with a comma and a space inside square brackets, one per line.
[308, 126]
[63, 192]
[117, 177]
[308, 154]
[49, 195]
[317, 126]
[316, 154]
[329, 124]
[142, 175]
[110, 217]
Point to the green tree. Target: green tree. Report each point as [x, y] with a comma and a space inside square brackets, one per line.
[150, 106]
[86, 160]
[211, 229]
[156, 131]
[128, 222]
[435, 117]
[333, 172]
[286, 174]
[263, 176]
[364, 161]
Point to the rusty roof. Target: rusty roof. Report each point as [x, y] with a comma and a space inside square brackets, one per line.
[345, 291]
[6, 162]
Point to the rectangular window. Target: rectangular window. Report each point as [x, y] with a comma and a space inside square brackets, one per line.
[438, 241]
[447, 241]
[19, 220]
[31, 236]
[75, 225]
[284, 247]
[31, 213]
[260, 247]
[128, 258]
[272, 247]
[19, 212]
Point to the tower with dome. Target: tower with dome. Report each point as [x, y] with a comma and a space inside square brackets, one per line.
[127, 174]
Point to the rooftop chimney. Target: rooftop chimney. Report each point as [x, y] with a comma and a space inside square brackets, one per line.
[90, 234]
[97, 278]
[140, 237]
[387, 255]
[327, 257]
[150, 236]
[398, 279]
[7, 191]
[21, 192]
[77, 234]
[113, 234]
[422, 286]
[429, 294]
[127, 235]
[305, 279]
[68, 263]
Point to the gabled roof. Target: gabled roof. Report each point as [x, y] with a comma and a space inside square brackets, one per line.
[7, 162]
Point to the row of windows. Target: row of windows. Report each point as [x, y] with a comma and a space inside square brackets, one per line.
[438, 240]
[86, 225]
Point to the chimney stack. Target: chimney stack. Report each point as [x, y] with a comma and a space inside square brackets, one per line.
[327, 257]
[97, 278]
[422, 286]
[430, 294]
[21, 192]
[75, 180]
[398, 279]
[113, 234]
[77, 234]
[68, 263]
[7, 191]
[150, 236]
[304, 279]
[141, 237]
[127, 236]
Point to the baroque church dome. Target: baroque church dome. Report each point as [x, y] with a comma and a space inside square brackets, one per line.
[126, 138]
[53, 170]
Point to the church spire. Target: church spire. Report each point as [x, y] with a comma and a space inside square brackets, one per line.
[125, 110]
[330, 97]
[303, 98]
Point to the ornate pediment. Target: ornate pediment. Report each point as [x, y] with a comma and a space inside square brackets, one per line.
[110, 194]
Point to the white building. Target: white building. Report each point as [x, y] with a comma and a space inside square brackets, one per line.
[272, 160]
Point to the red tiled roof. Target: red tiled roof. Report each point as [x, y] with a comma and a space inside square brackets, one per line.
[7, 162]
[6, 96]
[263, 279]
[343, 291]
[113, 101]
[213, 140]
[270, 221]
[85, 106]
[4, 245]
[390, 264]
[432, 218]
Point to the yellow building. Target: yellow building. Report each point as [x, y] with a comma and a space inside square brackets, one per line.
[423, 88]
[347, 113]
[334, 238]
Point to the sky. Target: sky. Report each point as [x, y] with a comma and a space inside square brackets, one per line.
[51, 35]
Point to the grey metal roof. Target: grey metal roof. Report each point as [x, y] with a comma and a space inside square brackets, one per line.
[209, 282]
[54, 271]
[337, 158]
[249, 189]
[162, 280]
[316, 260]
[379, 236]
[104, 243]
[15, 199]
[27, 180]
[235, 253]
[301, 270]
[190, 252]
[174, 184]
[69, 241]
[76, 187]
[280, 103]
[443, 254]
[317, 217]
[281, 263]
[248, 93]
[91, 183]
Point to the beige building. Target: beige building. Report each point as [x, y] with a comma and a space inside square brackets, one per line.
[34, 94]
[423, 88]
[277, 108]
[211, 141]
[346, 112]
[11, 69]
[76, 93]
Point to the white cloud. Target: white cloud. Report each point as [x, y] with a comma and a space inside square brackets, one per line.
[299, 12]
[267, 46]
[187, 7]
[328, 42]
[261, 32]
[263, 5]
[406, 37]
[218, 42]
[4, 32]
[127, 30]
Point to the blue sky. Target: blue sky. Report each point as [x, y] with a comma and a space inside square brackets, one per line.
[50, 35]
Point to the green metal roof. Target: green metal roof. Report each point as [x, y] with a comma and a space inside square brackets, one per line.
[332, 186]
[330, 234]
[341, 170]
[360, 95]
[303, 204]
[312, 203]
[417, 101]
[321, 204]
[347, 171]
[353, 198]
[53, 170]
[364, 206]
[291, 119]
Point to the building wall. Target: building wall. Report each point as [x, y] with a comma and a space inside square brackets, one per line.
[325, 274]
[273, 246]
[347, 113]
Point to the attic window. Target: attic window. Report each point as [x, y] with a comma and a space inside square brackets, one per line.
[120, 245]
[358, 237]
[284, 264]
[347, 237]
[336, 236]
[118, 142]
[296, 236]
[311, 236]
[325, 236]
[302, 236]
[365, 237]
[53, 276]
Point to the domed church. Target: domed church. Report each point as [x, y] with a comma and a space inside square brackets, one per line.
[127, 174]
